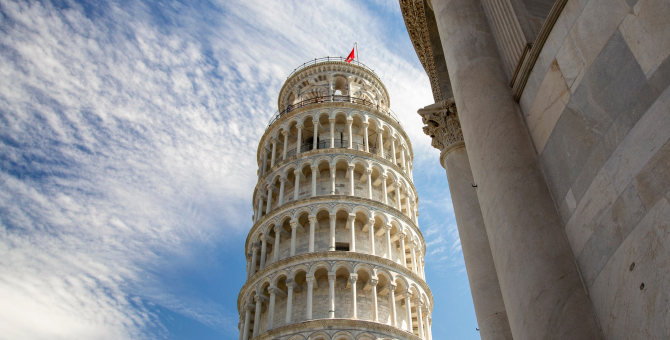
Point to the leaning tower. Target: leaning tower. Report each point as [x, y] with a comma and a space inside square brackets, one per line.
[335, 250]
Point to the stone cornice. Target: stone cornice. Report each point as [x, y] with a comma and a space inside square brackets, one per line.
[527, 62]
[335, 199]
[336, 66]
[344, 105]
[328, 324]
[331, 255]
[338, 151]
[413, 13]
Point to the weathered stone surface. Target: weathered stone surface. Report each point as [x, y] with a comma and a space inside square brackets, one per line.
[549, 103]
[654, 180]
[614, 228]
[626, 308]
[646, 31]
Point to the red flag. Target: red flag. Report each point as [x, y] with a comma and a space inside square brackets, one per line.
[351, 57]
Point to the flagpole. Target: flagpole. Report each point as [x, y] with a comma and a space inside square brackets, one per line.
[357, 57]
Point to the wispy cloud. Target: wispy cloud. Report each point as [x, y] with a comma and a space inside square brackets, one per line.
[129, 132]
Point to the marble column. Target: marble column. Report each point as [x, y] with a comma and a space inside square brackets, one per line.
[419, 318]
[408, 310]
[333, 171]
[275, 252]
[290, 285]
[332, 132]
[380, 140]
[247, 319]
[315, 145]
[298, 140]
[315, 171]
[352, 232]
[310, 290]
[282, 185]
[271, 307]
[352, 188]
[373, 293]
[257, 316]
[294, 227]
[312, 226]
[412, 247]
[254, 258]
[392, 312]
[296, 185]
[264, 250]
[389, 250]
[403, 255]
[398, 192]
[274, 153]
[331, 295]
[402, 159]
[371, 234]
[393, 156]
[368, 173]
[349, 134]
[332, 232]
[285, 133]
[352, 281]
[534, 262]
[269, 206]
[384, 193]
[365, 136]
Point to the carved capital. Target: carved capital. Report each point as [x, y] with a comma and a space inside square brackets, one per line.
[351, 218]
[442, 124]
[312, 219]
[353, 278]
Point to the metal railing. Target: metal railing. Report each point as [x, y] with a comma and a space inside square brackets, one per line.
[332, 99]
[326, 59]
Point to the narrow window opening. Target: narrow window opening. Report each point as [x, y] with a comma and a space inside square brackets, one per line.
[341, 246]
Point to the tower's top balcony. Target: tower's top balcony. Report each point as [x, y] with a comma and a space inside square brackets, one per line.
[332, 79]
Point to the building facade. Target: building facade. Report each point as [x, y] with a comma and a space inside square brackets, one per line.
[335, 250]
[553, 121]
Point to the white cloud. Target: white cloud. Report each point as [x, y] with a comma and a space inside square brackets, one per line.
[124, 138]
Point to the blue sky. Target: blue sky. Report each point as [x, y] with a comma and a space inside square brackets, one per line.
[128, 134]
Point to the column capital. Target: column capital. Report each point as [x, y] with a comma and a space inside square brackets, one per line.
[255, 246]
[312, 218]
[332, 120]
[366, 124]
[310, 279]
[408, 293]
[297, 172]
[332, 217]
[283, 179]
[392, 287]
[351, 217]
[384, 176]
[350, 167]
[388, 227]
[278, 229]
[368, 172]
[373, 282]
[249, 307]
[353, 278]
[331, 277]
[314, 168]
[285, 132]
[299, 126]
[442, 124]
[349, 121]
[294, 224]
[402, 235]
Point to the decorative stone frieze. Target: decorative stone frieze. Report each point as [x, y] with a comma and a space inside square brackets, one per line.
[415, 20]
[442, 124]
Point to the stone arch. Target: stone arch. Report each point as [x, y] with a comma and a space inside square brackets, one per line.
[278, 275]
[319, 265]
[343, 335]
[296, 337]
[320, 335]
[366, 336]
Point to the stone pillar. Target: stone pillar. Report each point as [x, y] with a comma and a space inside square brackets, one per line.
[402, 159]
[254, 258]
[298, 141]
[315, 171]
[269, 207]
[403, 256]
[351, 139]
[315, 145]
[426, 332]
[257, 316]
[429, 326]
[395, 160]
[375, 310]
[352, 188]
[264, 157]
[310, 290]
[312, 226]
[296, 185]
[282, 184]
[371, 232]
[389, 253]
[332, 232]
[285, 133]
[247, 319]
[259, 210]
[384, 193]
[332, 132]
[271, 307]
[412, 247]
[290, 285]
[408, 310]
[365, 136]
[274, 153]
[394, 318]
[380, 140]
[278, 229]
[331, 295]
[248, 266]
[368, 172]
[294, 226]
[419, 317]
[264, 250]
[332, 179]
[352, 281]
[534, 261]
[398, 191]
[352, 232]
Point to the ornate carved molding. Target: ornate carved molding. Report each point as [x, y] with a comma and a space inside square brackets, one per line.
[442, 124]
[337, 325]
[415, 20]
